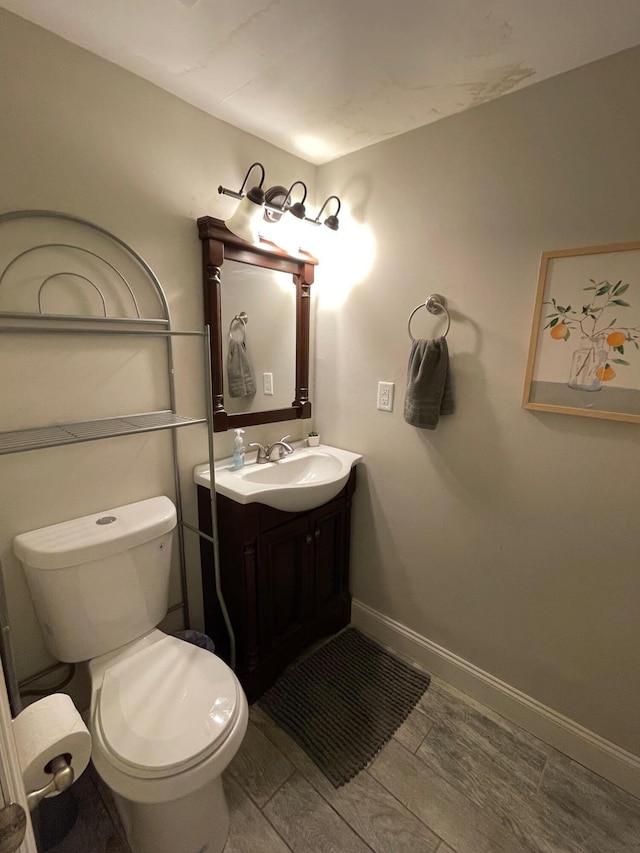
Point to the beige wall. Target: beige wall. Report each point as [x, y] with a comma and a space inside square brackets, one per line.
[82, 136]
[508, 537]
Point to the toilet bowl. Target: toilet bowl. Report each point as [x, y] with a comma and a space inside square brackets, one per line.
[166, 717]
[166, 720]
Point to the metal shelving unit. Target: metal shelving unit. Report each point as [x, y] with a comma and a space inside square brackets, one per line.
[107, 284]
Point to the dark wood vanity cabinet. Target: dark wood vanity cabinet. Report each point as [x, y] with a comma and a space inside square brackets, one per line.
[284, 578]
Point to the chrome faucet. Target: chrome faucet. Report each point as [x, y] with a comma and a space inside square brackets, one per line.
[264, 452]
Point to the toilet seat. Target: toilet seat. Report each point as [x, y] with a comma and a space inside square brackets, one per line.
[166, 707]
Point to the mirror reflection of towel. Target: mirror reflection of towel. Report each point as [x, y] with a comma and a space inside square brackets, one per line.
[240, 376]
[428, 392]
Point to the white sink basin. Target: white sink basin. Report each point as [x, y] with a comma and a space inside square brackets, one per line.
[307, 478]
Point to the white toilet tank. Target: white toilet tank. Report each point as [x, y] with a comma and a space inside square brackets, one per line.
[100, 581]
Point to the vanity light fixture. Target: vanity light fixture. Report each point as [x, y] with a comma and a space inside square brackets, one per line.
[272, 205]
[331, 221]
[244, 222]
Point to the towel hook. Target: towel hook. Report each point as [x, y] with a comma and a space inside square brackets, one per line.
[243, 318]
[435, 304]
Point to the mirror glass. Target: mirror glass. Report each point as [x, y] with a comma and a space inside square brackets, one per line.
[268, 298]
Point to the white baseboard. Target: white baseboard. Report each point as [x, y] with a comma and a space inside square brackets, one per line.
[584, 746]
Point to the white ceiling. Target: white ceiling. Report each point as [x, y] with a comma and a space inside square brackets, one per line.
[322, 78]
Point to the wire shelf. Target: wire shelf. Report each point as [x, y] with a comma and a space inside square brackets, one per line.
[15, 441]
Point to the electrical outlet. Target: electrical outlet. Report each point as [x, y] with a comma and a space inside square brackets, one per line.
[267, 384]
[385, 396]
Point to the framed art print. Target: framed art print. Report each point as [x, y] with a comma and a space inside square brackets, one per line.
[584, 354]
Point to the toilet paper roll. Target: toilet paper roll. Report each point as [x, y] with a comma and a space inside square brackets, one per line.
[49, 727]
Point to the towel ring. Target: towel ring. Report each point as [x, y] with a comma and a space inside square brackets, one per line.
[243, 318]
[435, 304]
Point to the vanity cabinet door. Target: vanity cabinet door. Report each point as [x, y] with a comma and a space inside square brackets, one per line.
[284, 584]
[330, 567]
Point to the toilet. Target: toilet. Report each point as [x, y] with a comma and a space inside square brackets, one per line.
[166, 716]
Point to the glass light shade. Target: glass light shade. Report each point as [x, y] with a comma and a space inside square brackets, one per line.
[289, 233]
[245, 222]
[316, 240]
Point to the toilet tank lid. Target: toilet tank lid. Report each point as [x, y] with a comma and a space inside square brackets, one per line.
[95, 536]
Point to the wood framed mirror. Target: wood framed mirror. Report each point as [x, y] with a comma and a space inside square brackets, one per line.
[219, 245]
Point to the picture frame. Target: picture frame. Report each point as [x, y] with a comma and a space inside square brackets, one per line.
[584, 352]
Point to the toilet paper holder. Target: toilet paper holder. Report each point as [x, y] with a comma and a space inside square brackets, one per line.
[62, 779]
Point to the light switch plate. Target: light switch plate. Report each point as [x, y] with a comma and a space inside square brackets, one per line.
[267, 384]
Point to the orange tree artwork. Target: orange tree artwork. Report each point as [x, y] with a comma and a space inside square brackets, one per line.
[597, 321]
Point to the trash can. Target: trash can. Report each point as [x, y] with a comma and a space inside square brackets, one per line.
[196, 638]
[54, 818]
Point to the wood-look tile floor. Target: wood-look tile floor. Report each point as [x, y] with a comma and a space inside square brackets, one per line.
[455, 778]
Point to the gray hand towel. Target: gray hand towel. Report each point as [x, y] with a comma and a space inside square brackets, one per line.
[428, 386]
[240, 376]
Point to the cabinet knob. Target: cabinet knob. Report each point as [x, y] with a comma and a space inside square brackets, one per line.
[317, 533]
[309, 539]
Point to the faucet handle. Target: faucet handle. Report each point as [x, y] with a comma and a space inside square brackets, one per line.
[283, 448]
[261, 456]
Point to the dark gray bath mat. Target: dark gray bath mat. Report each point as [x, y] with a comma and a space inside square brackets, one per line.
[344, 702]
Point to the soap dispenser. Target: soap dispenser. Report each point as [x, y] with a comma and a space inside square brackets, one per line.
[238, 450]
